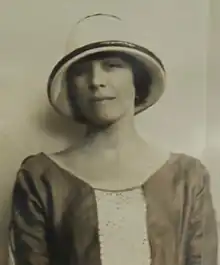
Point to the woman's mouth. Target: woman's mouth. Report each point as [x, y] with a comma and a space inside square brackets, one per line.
[98, 99]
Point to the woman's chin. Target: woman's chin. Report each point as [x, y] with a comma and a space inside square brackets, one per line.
[104, 119]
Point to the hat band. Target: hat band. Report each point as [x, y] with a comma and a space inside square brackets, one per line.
[101, 44]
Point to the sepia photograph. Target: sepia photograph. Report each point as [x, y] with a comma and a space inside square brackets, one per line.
[109, 138]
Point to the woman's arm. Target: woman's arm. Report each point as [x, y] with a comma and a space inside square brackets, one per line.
[29, 244]
[202, 238]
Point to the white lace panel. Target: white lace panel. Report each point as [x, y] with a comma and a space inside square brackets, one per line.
[122, 227]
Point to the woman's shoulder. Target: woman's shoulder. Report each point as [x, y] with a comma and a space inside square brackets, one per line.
[39, 178]
[184, 159]
[41, 168]
[191, 168]
[35, 163]
[187, 162]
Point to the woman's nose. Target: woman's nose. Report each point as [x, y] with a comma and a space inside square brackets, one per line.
[97, 76]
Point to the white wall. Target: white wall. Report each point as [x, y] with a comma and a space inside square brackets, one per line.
[33, 35]
[211, 154]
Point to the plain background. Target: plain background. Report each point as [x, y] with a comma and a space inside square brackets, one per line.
[183, 33]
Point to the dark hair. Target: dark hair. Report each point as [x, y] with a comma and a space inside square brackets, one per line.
[142, 79]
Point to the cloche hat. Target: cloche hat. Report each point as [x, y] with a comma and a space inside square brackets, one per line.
[103, 33]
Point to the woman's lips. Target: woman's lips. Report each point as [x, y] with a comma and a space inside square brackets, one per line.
[96, 99]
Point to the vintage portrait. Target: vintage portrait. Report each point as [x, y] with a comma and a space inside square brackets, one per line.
[114, 198]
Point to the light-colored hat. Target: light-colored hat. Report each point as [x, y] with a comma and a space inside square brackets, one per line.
[103, 33]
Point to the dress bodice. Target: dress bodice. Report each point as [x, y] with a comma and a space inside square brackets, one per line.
[122, 227]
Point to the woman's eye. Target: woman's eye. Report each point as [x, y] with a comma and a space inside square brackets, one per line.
[113, 64]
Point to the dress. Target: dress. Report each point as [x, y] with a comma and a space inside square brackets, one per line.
[58, 219]
[122, 229]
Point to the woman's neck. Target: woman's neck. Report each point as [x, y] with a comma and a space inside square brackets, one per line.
[121, 135]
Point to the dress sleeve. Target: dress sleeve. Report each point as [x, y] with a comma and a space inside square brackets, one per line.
[28, 223]
[202, 245]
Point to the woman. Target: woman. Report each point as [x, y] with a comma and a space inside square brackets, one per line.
[113, 199]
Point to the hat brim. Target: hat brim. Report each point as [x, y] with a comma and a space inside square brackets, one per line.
[56, 88]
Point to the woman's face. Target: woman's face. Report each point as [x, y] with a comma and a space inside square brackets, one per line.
[104, 88]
